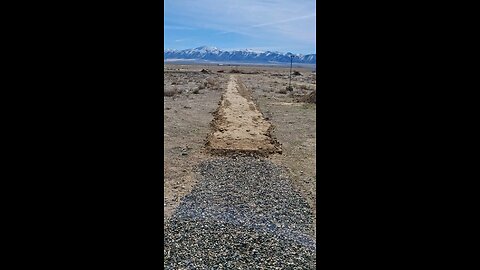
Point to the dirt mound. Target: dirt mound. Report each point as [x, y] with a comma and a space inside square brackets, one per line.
[310, 98]
[237, 71]
[239, 126]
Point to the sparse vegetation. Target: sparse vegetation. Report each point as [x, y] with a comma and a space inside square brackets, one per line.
[310, 98]
[188, 115]
[296, 73]
[210, 81]
[169, 93]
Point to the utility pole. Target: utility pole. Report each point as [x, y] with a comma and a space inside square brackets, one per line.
[290, 77]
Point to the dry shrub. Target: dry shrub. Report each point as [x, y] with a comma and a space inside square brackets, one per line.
[282, 91]
[169, 92]
[296, 73]
[310, 98]
[211, 81]
[216, 87]
[303, 87]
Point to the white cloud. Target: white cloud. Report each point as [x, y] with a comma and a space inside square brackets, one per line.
[175, 27]
[262, 20]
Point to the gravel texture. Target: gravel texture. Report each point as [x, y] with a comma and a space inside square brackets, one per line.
[243, 214]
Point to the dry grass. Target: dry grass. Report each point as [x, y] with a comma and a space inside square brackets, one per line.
[188, 117]
[170, 92]
[211, 81]
[294, 123]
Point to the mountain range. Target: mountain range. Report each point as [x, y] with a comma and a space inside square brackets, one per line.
[212, 54]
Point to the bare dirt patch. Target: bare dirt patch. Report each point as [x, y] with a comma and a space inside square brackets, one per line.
[187, 117]
[239, 126]
[295, 124]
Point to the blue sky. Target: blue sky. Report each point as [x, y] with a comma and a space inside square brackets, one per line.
[276, 25]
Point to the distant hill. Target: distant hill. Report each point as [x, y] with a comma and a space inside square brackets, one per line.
[213, 54]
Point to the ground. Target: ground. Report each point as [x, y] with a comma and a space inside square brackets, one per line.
[192, 97]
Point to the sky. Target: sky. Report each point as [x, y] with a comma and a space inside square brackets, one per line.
[275, 25]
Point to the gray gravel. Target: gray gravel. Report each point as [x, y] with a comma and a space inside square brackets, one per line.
[243, 214]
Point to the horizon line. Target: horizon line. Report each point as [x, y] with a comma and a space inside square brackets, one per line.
[236, 49]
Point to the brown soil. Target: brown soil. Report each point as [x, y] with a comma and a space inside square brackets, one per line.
[189, 121]
[239, 126]
[295, 126]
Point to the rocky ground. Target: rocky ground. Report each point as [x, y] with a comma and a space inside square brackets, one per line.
[248, 212]
[243, 214]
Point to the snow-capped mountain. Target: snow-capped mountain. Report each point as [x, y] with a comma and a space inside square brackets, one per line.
[248, 55]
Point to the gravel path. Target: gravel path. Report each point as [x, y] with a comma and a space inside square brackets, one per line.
[243, 214]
